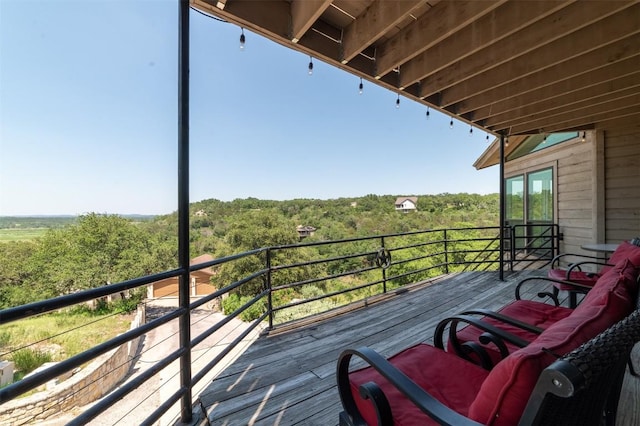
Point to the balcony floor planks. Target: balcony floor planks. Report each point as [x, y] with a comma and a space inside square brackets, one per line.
[288, 378]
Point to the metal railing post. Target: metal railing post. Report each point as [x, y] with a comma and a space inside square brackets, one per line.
[270, 294]
[512, 245]
[186, 413]
[503, 211]
[384, 271]
[446, 252]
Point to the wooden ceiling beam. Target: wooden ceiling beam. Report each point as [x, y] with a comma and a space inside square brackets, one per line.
[378, 19]
[602, 92]
[613, 100]
[628, 121]
[303, 14]
[442, 20]
[609, 30]
[489, 29]
[270, 18]
[577, 118]
[599, 81]
[624, 49]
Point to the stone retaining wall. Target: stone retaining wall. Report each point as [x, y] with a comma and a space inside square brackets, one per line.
[86, 386]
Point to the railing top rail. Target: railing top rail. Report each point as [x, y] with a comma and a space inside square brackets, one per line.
[399, 234]
[44, 306]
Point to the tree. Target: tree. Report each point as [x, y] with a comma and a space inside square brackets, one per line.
[100, 249]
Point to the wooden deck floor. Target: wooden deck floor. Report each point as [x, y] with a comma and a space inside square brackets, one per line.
[288, 378]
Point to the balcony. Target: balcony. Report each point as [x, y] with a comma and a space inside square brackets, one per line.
[551, 77]
[430, 274]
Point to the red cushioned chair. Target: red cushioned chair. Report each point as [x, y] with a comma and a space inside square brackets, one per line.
[486, 337]
[426, 385]
[575, 274]
[423, 385]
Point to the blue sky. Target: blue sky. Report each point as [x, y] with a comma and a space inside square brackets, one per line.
[88, 117]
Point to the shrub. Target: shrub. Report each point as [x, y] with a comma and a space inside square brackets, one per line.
[27, 360]
[233, 302]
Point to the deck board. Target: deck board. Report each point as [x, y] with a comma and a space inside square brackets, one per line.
[288, 377]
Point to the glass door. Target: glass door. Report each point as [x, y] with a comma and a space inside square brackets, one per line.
[539, 208]
[514, 204]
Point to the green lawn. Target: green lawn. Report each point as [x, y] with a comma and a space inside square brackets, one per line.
[61, 334]
[26, 234]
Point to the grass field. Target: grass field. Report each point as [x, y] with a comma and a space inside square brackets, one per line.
[27, 234]
[60, 334]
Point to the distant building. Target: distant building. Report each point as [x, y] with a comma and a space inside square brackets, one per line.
[305, 231]
[406, 204]
[200, 284]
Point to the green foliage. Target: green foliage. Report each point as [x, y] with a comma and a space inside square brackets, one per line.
[27, 360]
[93, 250]
[234, 302]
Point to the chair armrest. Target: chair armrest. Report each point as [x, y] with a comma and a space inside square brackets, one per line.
[558, 257]
[574, 286]
[418, 396]
[578, 265]
[505, 319]
[491, 334]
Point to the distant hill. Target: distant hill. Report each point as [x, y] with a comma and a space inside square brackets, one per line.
[53, 221]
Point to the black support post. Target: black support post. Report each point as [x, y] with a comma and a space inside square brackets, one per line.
[183, 210]
[502, 206]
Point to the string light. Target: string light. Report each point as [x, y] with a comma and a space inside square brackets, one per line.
[428, 113]
[360, 87]
[451, 124]
[487, 137]
[242, 38]
[544, 140]
[310, 65]
[506, 141]
[584, 136]
[471, 131]
[398, 101]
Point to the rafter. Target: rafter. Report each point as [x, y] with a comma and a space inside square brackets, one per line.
[439, 22]
[303, 14]
[527, 56]
[617, 76]
[611, 89]
[511, 16]
[625, 49]
[626, 122]
[619, 98]
[379, 18]
[501, 64]
[577, 118]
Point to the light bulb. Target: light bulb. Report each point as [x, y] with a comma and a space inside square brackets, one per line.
[584, 136]
[506, 141]
[487, 137]
[398, 101]
[360, 87]
[428, 113]
[242, 39]
[310, 65]
[470, 131]
[451, 124]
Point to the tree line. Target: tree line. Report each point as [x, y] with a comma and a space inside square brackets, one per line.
[95, 250]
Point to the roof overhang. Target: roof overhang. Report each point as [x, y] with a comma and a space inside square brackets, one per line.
[507, 66]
